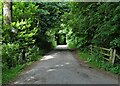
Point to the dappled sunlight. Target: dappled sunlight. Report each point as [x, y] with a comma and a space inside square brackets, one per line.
[47, 57]
[16, 82]
[31, 78]
[28, 79]
[30, 71]
[57, 65]
[55, 54]
[67, 63]
[50, 70]
[61, 65]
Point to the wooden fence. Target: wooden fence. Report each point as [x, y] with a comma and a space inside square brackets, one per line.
[112, 53]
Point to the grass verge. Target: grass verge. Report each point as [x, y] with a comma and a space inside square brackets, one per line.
[9, 75]
[98, 62]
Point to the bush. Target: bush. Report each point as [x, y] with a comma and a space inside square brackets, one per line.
[33, 53]
[9, 55]
[98, 62]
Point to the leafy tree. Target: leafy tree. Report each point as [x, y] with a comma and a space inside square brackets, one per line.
[95, 23]
[31, 30]
[7, 11]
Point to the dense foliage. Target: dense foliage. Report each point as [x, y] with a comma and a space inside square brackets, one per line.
[29, 33]
[95, 23]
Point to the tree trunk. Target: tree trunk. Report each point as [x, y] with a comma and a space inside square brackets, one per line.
[7, 11]
[23, 58]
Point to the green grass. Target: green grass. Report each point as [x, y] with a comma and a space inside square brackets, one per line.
[8, 75]
[98, 62]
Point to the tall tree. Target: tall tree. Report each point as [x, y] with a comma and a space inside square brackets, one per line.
[7, 11]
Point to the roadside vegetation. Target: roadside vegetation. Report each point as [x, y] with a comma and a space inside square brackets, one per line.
[98, 62]
[27, 34]
[95, 24]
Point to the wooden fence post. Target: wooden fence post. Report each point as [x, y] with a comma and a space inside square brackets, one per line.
[111, 55]
[113, 58]
[91, 48]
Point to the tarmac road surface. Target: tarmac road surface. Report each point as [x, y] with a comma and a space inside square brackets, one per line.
[60, 67]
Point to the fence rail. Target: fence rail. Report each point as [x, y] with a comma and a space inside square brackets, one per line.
[112, 53]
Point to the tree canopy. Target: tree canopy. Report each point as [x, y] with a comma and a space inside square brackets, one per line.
[94, 23]
[31, 26]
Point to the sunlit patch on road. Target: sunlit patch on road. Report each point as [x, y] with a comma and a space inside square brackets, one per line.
[47, 57]
[67, 63]
[50, 70]
[57, 65]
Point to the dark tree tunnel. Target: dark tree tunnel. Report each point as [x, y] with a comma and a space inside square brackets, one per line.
[61, 39]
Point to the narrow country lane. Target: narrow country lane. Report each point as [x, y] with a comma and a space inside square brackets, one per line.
[60, 67]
